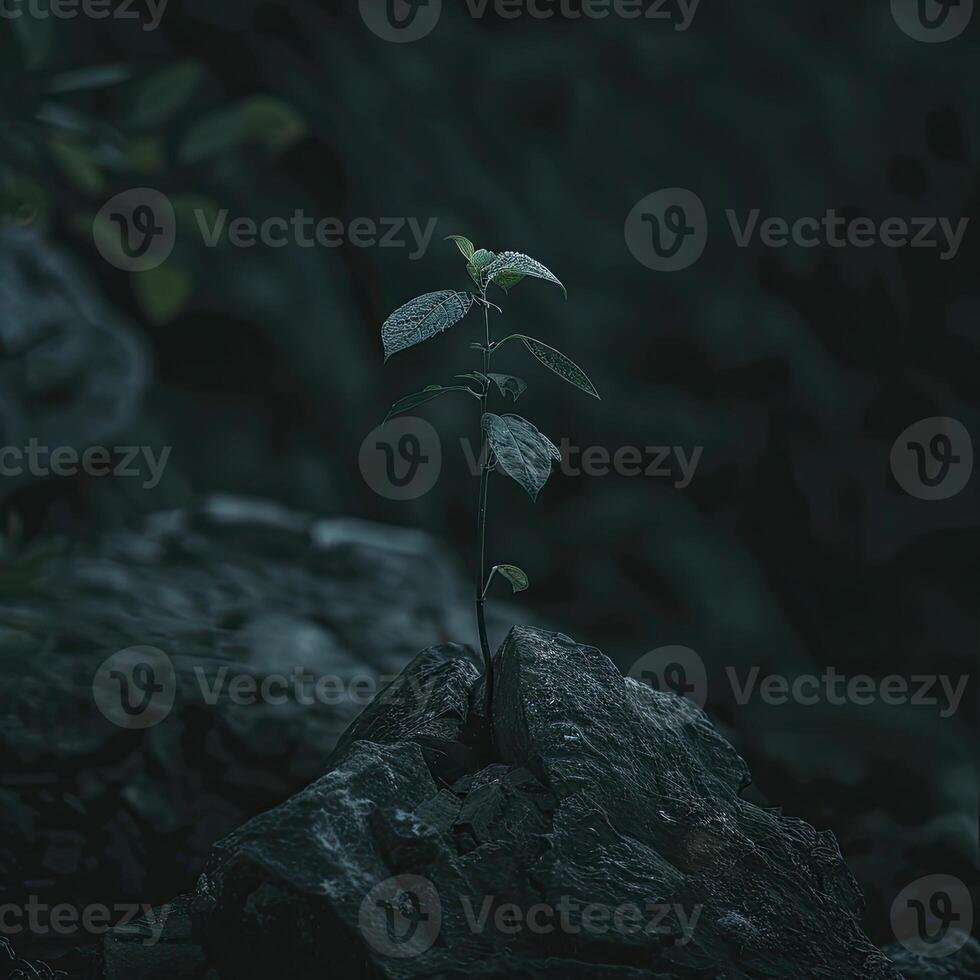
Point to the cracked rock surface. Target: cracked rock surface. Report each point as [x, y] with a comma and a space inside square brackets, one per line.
[606, 837]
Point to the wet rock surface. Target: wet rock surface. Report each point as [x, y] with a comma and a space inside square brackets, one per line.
[91, 812]
[606, 837]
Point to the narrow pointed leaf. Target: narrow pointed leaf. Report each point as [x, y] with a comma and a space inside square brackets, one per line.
[463, 244]
[480, 260]
[421, 397]
[516, 576]
[555, 361]
[522, 452]
[509, 264]
[476, 376]
[422, 318]
[509, 384]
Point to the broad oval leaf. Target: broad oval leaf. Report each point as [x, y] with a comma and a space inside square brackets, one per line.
[509, 384]
[516, 576]
[478, 262]
[555, 361]
[523, 453]
[422, 318]
[420, 397]
[463, 244]
[507, 265]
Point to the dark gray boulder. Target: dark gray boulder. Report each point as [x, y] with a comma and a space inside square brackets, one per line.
[605, 836]
[230, 587]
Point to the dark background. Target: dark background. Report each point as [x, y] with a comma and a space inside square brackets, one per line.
[792, 549]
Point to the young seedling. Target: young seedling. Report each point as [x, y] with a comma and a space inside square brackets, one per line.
[509, 443]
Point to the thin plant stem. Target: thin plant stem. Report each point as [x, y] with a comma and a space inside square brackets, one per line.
[481, 618]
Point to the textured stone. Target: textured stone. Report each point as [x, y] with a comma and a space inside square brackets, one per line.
[607, 837]
[231, 587]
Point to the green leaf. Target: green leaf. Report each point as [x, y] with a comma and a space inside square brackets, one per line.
[262, 119]
[99, 76]
[463, 244]
[78, 164]
[507, 265]
[421, 397]
[516, 576]
[509, 384]
[422, 318]
[163, 291]
[163, 93]
[64, 117]
[476, 376]
[480, 260]
[555, 361]
[507, 280]
[523, 453]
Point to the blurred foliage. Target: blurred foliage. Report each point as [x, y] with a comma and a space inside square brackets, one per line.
[27, 568]
[74, 137]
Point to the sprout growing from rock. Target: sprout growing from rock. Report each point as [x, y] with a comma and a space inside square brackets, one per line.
[509, 442]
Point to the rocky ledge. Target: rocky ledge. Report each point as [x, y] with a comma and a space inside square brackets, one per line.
[605, 836]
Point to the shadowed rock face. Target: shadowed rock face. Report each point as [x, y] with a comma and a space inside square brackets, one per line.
[607, 837]
[231, 587]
